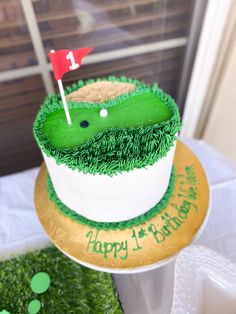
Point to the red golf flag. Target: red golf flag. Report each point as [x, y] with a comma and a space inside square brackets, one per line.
[66, 60]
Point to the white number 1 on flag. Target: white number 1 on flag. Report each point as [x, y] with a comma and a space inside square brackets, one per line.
[70, 57]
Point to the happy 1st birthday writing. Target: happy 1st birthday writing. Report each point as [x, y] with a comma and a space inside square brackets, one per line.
[187, 192]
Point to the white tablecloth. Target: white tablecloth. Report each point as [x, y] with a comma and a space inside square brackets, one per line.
[144, 293]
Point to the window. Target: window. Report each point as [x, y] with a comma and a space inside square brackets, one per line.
[143, 39]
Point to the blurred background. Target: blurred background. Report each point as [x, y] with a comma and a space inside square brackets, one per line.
[186, 46]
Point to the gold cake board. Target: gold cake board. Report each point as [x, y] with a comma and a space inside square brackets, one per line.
[141, 247]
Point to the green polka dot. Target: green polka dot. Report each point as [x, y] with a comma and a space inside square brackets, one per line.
[34, 307]
[40, 282]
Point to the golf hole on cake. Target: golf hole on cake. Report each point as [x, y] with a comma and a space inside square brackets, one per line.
[117, 191]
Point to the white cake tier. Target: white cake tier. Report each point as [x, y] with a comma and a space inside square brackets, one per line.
[111, 199]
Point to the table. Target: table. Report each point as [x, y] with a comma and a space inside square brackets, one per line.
[150, 292]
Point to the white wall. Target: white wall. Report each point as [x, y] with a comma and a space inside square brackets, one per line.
[210, 111]
[220, 129]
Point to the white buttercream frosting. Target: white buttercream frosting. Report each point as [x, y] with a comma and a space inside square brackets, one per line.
[111, 199]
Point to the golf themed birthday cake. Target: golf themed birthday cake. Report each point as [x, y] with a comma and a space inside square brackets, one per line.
[117, 191]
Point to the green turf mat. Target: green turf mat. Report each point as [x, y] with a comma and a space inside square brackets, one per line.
[73, 288]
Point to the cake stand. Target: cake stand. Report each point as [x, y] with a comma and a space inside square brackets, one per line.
[142, 247]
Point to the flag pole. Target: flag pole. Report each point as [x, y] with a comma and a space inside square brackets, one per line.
[64, 61]
[61, 89]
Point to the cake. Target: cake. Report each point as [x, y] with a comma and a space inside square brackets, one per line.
[115, 162]
[117, 191]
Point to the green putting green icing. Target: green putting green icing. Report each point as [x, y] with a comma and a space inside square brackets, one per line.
[138, 111]
[140, 129]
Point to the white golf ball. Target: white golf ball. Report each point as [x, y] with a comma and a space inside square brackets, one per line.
[103, 113]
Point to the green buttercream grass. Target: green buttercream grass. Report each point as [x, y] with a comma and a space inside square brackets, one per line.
[74, 289]
[113, 225]
[113, 150]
